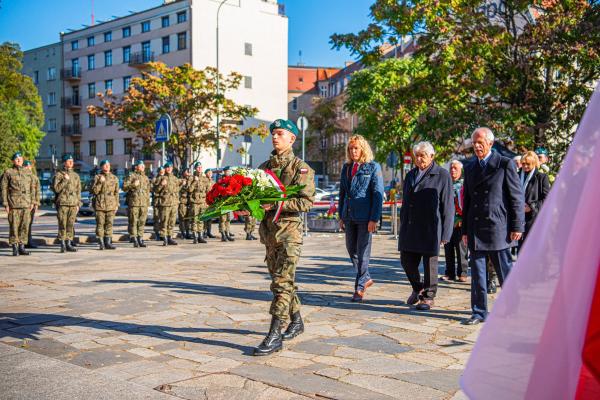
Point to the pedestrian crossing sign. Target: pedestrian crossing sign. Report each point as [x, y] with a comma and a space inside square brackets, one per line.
[163, 129]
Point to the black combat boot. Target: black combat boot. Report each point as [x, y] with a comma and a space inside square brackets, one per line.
[108, 243]
[22, 250]
[171, 242]
[209, 230]
[295, 327]
[272, 342]
[69, 246]
[223, 237]
[15, 250]
[165, 241]
[62, 246]
[140, 241]
[248, 236]
[157, 236]
[100, 243]
[189, 235]
[229, 236]
[134, 240]
[195, 238]
[200, 238]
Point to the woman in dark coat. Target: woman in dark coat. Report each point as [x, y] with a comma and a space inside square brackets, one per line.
[536, 187]
[426, 221]
[361, 200]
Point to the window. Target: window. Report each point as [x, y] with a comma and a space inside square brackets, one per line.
[108, 121]
[52, 125]
[77, 150]
[91, 90]
[91, 120]
[51, 99]
[74, 44]
[164, 21]
[181, 40]
[126, 31]
[108, 36]
[51, 73]
[108, 58]
[109, 147]
[166, 44]
[248, 49]
[295, 104]
[108, 84]
[75, 66]
[36, 77]
[76, 120]
[92, 147]
[181, 17]
[91, 41]
[91, 62]
[146, 53]
[145, 26]
[126, 82]
[323, 91]
[128, 146]
[248, 82]
[126, 54]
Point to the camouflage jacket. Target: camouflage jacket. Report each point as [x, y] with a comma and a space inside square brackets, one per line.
[67, 192]
[18, 188]
[184, 184]
[198, 188]
[137, 195]
[166, 188]
[106, 194]
[37, 194]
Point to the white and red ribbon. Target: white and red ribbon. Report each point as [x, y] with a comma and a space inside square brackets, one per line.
[280, 187]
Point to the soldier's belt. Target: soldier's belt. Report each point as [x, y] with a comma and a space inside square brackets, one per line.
[288, 214]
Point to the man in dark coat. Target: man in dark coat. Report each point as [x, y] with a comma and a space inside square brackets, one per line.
[426, 221]
[492, 216]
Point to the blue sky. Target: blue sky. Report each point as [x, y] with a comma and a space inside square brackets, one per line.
[34, 23]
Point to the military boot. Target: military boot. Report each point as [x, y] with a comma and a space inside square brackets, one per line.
[223, 237]
[108, 243]
[248, 236]
[22, 250]
[195, 238]
[157, 236]
[171, 242]
[209, 230]
[100, 244]
[134, 240]
[272, 342]
[15, 250]
[62, 246]
[140, 241]
[295, 327]
[200, 238]
[69, 246]
[229, 236]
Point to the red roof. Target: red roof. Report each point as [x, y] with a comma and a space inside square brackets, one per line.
[304, 79]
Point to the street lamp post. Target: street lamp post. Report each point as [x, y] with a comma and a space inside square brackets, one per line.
[218, 87]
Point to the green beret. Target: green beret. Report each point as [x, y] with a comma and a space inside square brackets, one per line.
[67, 156]
[26, 163]
[16, 155]
[138, 162]
[284, 124]
[104, 162]
[207, 170]
[541, 150]
[197, 164]
[159, 169]
[168, 164]
[227, 168]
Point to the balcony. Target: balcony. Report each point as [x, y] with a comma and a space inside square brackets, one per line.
[71, 74]
[71, 102]
[71, 130]
[141, 59]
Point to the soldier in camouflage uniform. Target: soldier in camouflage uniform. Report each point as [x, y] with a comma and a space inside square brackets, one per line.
[225, 219]
[283, 237]
[17, 197]
[106, 203]
[36, 202]
[182, 210]
[66, 186]
[249, 226]
[137, 186]
[198, 187]
[208, 173]
[167, 190]
[155, 204]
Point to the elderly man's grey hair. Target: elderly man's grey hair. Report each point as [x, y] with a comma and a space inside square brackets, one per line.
[489, 135]
[457, 163]
[423, 147]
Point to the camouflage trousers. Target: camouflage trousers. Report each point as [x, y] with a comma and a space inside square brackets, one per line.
[283, 241]
[194, 212]
[104, 223]
[136, 220]
[156, 218]
[224, 223]
[249, 224]
[168, 217]
[66, 222]
[184, 222]
[18, 222]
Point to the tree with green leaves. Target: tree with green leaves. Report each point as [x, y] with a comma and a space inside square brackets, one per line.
[21, 112]
[190, 97]
[526, 69]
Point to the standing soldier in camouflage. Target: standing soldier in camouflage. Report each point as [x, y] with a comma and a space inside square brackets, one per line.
[249, 226]
[199, 186]
[225, 219]
[167, 189]
[283, 237]
[137, 186]
[182, 210]
[208, 223]
[156, 204]
[36, 202]
[106, 202]
[66, 186]
[17, 195]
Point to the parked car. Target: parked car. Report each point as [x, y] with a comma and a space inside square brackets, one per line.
[86, 204]
[320, 193]
[335, 187]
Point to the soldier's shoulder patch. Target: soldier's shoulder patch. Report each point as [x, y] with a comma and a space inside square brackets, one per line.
[304, 170]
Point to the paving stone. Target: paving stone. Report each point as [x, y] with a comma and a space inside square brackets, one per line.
[393, 387]
[384, 366]
[375, 343]
[315, 346]
[440, 379]
[143, 352]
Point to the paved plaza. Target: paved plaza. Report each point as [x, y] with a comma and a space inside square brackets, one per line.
[180, 323]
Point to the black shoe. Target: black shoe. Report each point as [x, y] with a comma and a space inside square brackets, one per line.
[223, 237]
[492, 288]
[248, 236]
[69, 246]
[140, 241]
[295, 327]
[73, 244]
[157, 237]
[188, 235]
[133, 239]
[272, 341]
[100, 243]
[22, 251]
[200, 238]
[413, 298]
[210, 235]
[108, 243]
[229, 236]
[252, 237]
[165, 241]
[472, 321]
[15, 250]
[171, 242]
[63, 246]
[195, 238]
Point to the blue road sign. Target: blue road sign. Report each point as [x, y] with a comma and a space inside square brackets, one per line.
[163, 129]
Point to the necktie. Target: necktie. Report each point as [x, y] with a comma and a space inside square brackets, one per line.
[482, 163]
[354, 169]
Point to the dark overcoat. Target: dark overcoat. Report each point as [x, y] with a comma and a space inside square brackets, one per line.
[535, 193]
